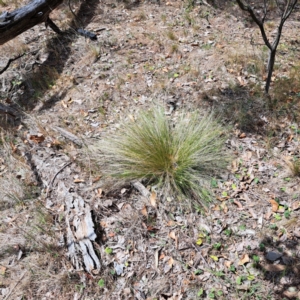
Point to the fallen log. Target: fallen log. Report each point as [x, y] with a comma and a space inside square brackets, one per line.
[55, 173]
[18, 21]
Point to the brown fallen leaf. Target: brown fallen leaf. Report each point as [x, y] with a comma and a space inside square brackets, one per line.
[216, 207]
[152, 229]
[289, 139]
[2, 270]
[78, 180]
[144, 211]
[274, 204]
[242, 135]
[171, 262]
[162, 256]
[13, 147]
[296, 205]
[241, 81]
[291, 293]
[65, 105]
[273, 268]
[153, 199]
[228, 264]
[244, 259]
[96, 179]
[224, 207]
[103, 224]
[99, 193]
[173, 236]
[220, 46]
[186, 282]
[238, 203]
[222, 198]
[37, 138]
[168, 266]
[171, 223]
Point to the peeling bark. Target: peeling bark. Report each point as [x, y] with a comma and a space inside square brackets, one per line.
[56, 172]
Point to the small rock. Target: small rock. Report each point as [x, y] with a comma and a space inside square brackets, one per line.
[272, 256]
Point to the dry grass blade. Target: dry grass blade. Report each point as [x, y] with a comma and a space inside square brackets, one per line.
[179, 155]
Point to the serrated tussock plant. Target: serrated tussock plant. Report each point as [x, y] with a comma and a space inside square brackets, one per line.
[178, 153]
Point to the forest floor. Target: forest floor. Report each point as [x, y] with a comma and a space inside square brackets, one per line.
[181, 55]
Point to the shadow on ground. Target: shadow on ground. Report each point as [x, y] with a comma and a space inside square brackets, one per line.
[252, 111]
[42, 76]
[59, 49]
[280, 264]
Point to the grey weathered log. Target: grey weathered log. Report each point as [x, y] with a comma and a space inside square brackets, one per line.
[140, 187]
[18, 21]
[70, 136]
[56, 174]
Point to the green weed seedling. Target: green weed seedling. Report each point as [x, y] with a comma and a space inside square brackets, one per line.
[101, 283]
[217, 246]
[262, 247]
[108, 250]
[228, 232]
[200, 292]
[232, 268]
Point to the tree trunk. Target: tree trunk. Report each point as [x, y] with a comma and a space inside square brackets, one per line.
[271, 63]
[18, 21]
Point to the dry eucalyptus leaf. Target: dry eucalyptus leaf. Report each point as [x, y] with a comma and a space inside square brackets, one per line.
[153, 199]
[244, 259]
[78, 180]
[144, 211]
[274, 204]
[274, 268]
[37, 138]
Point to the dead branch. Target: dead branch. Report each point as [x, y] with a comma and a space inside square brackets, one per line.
[10, 61]
[18, 21]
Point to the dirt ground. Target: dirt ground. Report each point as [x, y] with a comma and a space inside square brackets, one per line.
[69, 91]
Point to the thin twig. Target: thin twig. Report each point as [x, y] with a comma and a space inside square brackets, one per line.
[53, 26]
[10, 61]
[60, 170]
[21, 277]
[200, 254]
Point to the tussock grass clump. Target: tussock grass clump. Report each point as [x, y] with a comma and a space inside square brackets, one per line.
[294, 166]
[178, 155]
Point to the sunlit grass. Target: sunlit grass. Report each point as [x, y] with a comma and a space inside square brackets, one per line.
[179, 155]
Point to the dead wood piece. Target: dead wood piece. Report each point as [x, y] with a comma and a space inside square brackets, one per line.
[81, 234]
[60, 170]
[18, 21]
[7, 110]
[54, 167]
[70, 136]
[87, 34]
[10, 61]
[138, 186]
